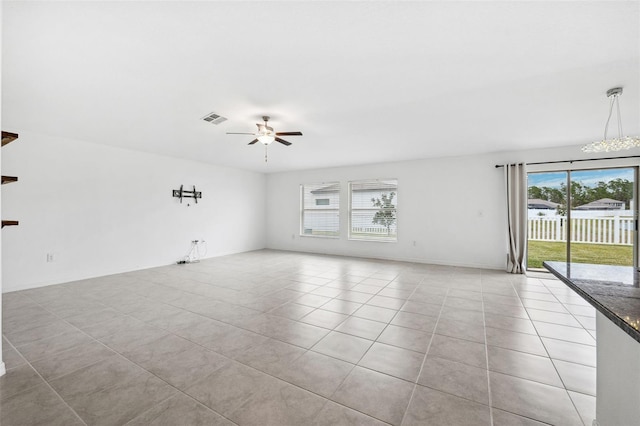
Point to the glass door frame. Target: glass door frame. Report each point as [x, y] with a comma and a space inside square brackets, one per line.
[569, 171]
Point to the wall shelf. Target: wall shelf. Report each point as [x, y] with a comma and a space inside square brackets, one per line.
[8, 137]
[9, 179]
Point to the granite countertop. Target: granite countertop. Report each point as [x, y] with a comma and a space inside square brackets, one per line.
[612, 290]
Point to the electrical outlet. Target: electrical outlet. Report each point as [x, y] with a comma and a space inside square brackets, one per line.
[49, 257]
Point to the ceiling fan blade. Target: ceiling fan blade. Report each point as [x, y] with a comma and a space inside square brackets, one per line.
[253, 141]
[288, 133]
[234, 133]
[283, 142]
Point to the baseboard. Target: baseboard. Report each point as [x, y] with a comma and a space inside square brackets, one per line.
[64, 279]
[396, 259]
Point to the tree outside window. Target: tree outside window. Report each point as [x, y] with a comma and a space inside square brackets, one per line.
[386, 215]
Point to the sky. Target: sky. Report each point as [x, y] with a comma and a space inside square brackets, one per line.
[585, 177]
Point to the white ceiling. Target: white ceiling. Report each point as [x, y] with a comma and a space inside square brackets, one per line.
[365, 82]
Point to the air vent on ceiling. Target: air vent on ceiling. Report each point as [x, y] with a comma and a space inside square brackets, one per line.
[214, 118]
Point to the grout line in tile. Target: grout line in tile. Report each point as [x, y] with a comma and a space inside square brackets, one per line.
[124, 357]
[306, 350]
[486, 355]
[46, 382]
[426, 354]
[554, 365]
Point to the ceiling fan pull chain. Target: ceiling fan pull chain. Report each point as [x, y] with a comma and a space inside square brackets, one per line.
[265, 153]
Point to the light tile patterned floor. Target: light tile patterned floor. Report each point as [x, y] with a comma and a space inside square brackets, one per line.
[282, 338]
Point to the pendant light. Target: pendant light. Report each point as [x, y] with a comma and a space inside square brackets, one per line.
[613, 144]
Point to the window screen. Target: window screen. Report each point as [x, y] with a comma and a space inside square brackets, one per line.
[320, 205]
[373, 210]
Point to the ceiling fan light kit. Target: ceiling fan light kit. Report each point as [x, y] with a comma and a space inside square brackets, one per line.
[266, 135]
[613, 144]
[266, 139]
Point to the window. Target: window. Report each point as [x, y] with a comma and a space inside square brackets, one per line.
[320, 207]
[373, 210]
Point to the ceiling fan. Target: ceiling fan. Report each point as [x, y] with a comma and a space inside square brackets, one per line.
[266, 135]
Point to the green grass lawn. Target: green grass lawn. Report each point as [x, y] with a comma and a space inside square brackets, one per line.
[599, 254]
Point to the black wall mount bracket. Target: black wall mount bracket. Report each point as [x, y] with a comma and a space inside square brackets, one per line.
[182, 193]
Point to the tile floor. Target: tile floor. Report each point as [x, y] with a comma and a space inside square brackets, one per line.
[282, 338]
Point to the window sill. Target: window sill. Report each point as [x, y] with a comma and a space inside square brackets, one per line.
[373, 240]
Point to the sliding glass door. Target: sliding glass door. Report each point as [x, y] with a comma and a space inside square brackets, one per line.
[584, 216]
[547, 219]
[602, 216]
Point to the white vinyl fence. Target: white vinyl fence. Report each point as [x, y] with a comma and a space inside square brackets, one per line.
[595, 230]
[378, 230]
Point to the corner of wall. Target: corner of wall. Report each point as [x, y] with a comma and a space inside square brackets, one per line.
[2, 368]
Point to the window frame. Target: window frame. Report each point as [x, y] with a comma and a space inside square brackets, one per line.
[324, 208]
[350, 235]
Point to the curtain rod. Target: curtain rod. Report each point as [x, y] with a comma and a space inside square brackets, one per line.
[573, 161]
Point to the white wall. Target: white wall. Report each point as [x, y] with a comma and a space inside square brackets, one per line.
[472, 232]
[102, 210]
[441, 235]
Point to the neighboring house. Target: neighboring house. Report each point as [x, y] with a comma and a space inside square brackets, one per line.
[327, 196]
[536, 203]
[603, 204]
[361, 197]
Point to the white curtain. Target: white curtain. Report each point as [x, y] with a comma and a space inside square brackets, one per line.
[516, 184]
